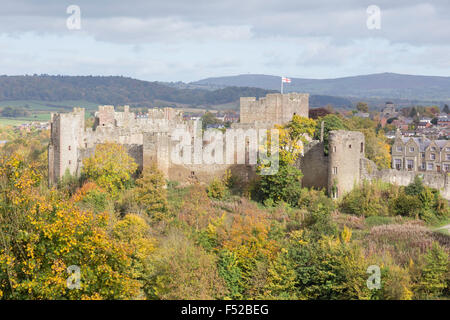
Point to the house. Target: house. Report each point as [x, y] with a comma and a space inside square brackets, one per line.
[443, 121]
[420, 154]
[424, 124]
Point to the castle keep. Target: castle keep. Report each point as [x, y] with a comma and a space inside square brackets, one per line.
[152, 139]
[275, 108]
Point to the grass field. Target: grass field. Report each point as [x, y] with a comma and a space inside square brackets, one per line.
[10, 122]
[40, 110]
[35, 105]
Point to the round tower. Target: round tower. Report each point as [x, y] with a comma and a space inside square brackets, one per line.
[345, 151]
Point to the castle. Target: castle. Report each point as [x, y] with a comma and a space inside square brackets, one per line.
[154, 138]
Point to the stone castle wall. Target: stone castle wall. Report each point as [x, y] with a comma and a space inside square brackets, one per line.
[437, 180]
[314, 166]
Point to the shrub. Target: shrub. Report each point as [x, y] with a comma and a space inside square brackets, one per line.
[396, 283]
[415, 187]
[406, 205]
[310, 199]
[217, 189]
[182, 270]
[367, 200]
[319, 222]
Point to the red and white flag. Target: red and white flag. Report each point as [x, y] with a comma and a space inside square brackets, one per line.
[285, 80]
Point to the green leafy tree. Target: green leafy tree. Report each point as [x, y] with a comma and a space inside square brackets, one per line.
[362, 107]
[331, 122]
[284, 186]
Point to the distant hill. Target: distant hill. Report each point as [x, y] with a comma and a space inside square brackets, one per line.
[122, 90]
[114, 90]
[374, 86]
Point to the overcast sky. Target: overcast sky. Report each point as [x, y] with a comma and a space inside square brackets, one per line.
[186, 40]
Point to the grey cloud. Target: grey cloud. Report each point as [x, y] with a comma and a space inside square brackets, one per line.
[414, 22]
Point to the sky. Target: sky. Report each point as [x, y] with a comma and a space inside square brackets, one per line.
[188, 40]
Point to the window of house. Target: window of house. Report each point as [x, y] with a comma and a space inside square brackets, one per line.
[423, 166]
[334, 149]
[349, 146]
[447, 156]
[70, 162]
[362, 147]
[447, 149]
[410, 164]
[411, 149]
[398, 164]
[69, 148]
[446, 167]
[423, 154]
[430, 166]
[432, 156]
[334, 170]
[433, 148]
[399, 149]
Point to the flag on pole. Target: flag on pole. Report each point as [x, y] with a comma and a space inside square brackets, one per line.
[284, 80]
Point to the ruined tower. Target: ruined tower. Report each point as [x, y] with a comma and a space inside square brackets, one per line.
[67, 131]
[345, 151]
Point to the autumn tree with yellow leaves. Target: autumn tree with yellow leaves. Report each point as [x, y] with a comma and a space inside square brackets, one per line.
[111, 167]
[43, 234]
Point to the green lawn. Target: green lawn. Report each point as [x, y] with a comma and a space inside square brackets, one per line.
[11, 121]
[40, 110]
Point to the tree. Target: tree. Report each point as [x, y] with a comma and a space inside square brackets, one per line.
[285, 185]
[362, 107]
[329, 268]
[433, 280]
[413, 113]
[42, 235]
[209, 119]
[151, 192]
[377, 148]
[331, 122]
[110, 167]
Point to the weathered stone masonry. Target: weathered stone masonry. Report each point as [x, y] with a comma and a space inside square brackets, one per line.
[149, 140]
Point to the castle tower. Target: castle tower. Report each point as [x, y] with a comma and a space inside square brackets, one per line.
[274, 108]
[67, 132]
[345, 151]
